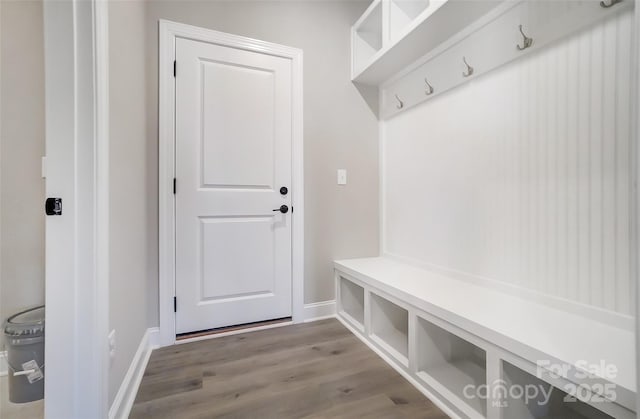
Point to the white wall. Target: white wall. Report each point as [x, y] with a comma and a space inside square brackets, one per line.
[21, 149]
[339, 129]
[523, 175]
[130, 182]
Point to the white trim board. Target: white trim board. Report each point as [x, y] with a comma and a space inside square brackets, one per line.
[126, 395]
[76, 289]
[102, 193]
[635, 132]
[169, 32]
[319, 311]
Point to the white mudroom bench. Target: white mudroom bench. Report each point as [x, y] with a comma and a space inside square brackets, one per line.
[472, 349]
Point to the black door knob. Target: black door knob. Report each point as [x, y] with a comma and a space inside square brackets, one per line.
[284, 190]
[283, 209]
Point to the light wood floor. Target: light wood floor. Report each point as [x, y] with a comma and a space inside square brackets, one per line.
[313, 370]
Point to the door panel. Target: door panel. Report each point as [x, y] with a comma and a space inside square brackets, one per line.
[233, 153]
[252, 272]
[230, 94]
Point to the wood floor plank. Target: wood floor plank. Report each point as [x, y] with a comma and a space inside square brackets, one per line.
[179, 382]
[315, 370]
[259, 385]
[378, 406]
[242, 346]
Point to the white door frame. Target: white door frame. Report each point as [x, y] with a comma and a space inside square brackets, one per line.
[77, 243]
[169, 31]
[635, 138]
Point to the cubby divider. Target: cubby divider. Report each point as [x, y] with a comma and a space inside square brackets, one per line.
[367, 36]
[402, 13]
[352, 302]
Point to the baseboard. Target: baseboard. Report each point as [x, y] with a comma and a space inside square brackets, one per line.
[3, 363]
[154, 337]
[123, 402]
[320, 310]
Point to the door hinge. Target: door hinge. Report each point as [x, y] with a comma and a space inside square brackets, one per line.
[175, 304]
[174, 186]
[174, 68]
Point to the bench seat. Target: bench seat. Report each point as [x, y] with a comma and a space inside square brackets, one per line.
[530, 330]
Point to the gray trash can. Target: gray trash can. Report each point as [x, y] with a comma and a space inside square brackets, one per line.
[24, 340]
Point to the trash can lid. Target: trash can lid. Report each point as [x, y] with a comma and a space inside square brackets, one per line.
[26, 323]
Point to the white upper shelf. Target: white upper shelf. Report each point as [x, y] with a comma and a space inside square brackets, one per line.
[414, 50]
[391, 34]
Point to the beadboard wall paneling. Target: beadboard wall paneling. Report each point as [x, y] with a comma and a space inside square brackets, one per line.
[523, 175]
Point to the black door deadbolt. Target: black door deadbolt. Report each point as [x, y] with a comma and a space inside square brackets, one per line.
[284, 190]
[53, 206]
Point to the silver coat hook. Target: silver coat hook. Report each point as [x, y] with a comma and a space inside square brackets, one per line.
[400, 104]
[469, 68]
[429, 90]
[611, 3]
[527, 41]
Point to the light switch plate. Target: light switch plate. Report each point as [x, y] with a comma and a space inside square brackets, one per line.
[342, 176]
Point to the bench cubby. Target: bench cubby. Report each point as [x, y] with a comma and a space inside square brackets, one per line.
[402, 13]
[541, 400]
[390, 327]
[451, 363]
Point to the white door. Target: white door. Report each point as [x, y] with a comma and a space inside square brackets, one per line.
[233, 156]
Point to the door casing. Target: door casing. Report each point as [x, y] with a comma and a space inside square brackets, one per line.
[169, 31]
[77, 241]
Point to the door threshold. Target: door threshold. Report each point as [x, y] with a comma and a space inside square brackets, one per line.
[231, 330]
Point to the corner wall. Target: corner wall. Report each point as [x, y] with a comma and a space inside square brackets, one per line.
[130, 247]
[22, 146]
